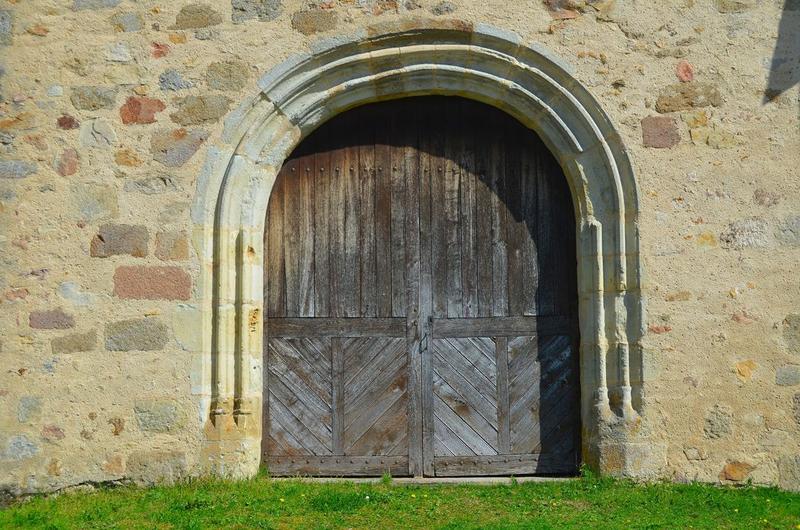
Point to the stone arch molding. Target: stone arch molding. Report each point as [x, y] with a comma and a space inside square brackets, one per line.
[413, 58]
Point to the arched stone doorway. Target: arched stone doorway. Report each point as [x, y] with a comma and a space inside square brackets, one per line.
[416, 58]
[421, 298]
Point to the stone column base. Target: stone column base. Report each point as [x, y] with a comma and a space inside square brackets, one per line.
[642, 460]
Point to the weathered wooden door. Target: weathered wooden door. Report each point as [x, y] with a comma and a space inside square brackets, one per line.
[420, 298]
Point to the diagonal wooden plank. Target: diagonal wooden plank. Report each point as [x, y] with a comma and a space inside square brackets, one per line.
[447, 358]
[477, 394]
[522, 357]
[296, 354]
[393, 354]
[466, 410]
[314, 439]
[282, 443]
[462, 359]
[315, 417]
[538, 392]
[560, 419]
[305, 356]
[302, 382]
[479, 351]
[380, 377]
[533, 407]
[360, 351]
[484, 346]
[531, 375]
[361, 354]
[448, 443]
[381, 429]
[439, 447]
[294, 392]
[393, 376]
[401, 446]
[559, 434]
[366, 421]
[461, 429]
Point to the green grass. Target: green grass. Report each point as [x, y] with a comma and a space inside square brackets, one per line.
[263, 503]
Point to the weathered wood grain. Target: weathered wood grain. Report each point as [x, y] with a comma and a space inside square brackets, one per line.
[420, 298]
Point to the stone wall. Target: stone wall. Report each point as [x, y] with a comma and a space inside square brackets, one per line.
[107, 111]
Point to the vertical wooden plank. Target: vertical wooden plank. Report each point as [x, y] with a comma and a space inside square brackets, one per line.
[276, 286]
[503, 403]
[306, 241]
[498, 220]
[366, 177]
[398, 214]
[483, 214]
[451, 209]
[337, 230]
[337, 394]
[426, 165]
[530, 258]
[292, 220]
[322, 214]
[352, 266]
[515, 225]
[562, 228]
[383, 217]
[438, 229]
[408, 146]
[468, 201]
[544, 235]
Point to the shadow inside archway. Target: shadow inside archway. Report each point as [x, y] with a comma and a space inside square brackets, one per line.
[495, 231]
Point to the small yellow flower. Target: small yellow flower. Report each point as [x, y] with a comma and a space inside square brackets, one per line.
[282, 499]
[736, 510]
[413, 496]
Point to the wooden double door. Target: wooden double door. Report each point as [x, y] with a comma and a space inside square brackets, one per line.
[420, 294]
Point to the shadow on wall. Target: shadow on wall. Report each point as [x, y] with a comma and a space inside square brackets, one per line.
[784, 69]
